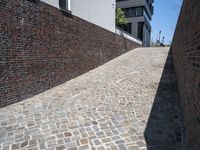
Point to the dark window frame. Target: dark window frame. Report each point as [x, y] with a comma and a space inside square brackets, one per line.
[134, 11]
[63, 4]
[127, 28]
[64, 7]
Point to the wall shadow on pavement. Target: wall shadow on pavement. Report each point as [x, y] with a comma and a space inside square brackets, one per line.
[164, 126]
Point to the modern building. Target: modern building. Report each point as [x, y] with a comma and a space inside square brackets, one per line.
[139, 14]
[98, 12]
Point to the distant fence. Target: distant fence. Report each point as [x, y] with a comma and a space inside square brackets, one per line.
[186, 52]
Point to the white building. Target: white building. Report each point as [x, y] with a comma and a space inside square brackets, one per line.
[98, 12]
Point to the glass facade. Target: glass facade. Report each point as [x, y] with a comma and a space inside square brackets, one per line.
[136, 12]
[133, 11]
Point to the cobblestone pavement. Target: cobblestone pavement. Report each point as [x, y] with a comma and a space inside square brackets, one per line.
[107, 108]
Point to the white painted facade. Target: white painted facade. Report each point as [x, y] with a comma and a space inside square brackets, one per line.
[127, 35]
[54, 3]
[98, 12]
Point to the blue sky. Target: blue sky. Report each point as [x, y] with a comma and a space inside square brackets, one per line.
[165, 17]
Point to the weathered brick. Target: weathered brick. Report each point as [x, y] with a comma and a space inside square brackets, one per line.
[186, 53]
[41, 48]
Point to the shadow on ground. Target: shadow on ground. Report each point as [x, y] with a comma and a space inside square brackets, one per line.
[164, 127]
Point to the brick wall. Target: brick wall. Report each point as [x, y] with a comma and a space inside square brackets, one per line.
[186, 51]
[40, 47]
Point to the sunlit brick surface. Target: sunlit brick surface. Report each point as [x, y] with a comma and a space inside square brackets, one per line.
[40, 47]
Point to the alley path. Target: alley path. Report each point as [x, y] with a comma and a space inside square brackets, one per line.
[129, 103]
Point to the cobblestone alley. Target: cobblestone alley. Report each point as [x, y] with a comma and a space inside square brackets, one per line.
[129, 103]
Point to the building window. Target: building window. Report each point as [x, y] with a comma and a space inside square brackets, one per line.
[133, 11]
[139, 11]
[140, 30]
[129, 28]
[64, 4]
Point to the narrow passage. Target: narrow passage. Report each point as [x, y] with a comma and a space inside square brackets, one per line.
[129, 103]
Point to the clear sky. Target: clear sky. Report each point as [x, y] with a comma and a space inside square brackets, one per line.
[165, 17]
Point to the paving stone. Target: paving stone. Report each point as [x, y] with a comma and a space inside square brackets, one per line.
[95, 122]
[70, 145]
[33, 142]
[60, 142]
[116, 138]
[141, 144]
[100, 148]
[43, 145]
[119, 141]
[106, 140]
[114, 148]
[67, 140]
[67, 134]
[84, 141]
[60, 147]
[60, 135]
[122, 147]
[85, 147]
[97, 142]
[74, 148]
[133, 148]
[15, 146]
[84, 135]
[7, 147]
[100, 134]
[109, 133]
[115, 132]
[24, 144]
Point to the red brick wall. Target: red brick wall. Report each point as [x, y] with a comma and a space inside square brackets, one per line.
[186, 51]
[41, 48]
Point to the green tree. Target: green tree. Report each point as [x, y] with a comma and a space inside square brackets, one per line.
[120, 17]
